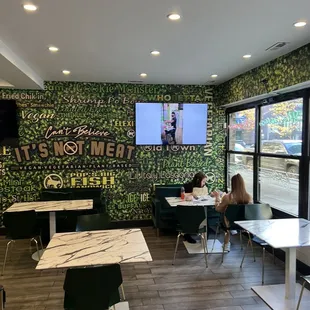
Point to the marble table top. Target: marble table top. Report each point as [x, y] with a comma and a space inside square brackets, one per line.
[280, 233]
[98, 247]
[50, 206]
[203, 202]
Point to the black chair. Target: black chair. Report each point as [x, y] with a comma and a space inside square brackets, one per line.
[99, 221]
[94, 288]
[2, 297]
[189, 219]
[65, 220]
[234, 213]
[258, 212]
[51, 195]
[213, 220]
[21, 225]
[306, 280]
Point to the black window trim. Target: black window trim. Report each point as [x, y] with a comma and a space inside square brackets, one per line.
[304, 158]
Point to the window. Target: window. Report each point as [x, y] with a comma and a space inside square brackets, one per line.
[281, 123]
[242, 131]
[281, 131]
[238, 163]
[278, 187]
[275, 175]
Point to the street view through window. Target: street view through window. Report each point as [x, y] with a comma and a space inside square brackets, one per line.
[280, 129]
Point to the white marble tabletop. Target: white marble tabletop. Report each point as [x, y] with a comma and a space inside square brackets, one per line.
[280, 233]
[51, 206]
[100, 247]
[202, 201]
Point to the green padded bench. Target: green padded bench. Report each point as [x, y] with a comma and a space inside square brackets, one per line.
[162, 214]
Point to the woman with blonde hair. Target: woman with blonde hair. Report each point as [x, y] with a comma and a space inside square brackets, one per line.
[237, 195]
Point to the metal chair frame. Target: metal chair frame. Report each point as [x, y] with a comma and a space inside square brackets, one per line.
[263, 256]
[203, 243]
[218, 227]
[265, 214]
[12, 241]
[191, 225]
[306, 280]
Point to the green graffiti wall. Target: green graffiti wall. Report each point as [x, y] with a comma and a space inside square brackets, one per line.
[83, 135]
[282, 72]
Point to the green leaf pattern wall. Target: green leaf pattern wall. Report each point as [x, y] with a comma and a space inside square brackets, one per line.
[288, 70]
[82, 135]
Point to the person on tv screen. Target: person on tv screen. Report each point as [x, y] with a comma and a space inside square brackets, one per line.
[173, 124]
[163, 139]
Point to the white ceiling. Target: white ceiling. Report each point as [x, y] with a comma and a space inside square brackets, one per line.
[111, 40]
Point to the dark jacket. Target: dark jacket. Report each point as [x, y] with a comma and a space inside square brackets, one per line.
[188, 187]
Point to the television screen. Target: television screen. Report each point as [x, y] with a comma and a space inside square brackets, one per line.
[171, 123]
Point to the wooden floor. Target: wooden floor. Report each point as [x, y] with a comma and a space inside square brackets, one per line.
[152, 286]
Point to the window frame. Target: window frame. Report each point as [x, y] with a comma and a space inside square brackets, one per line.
[304, 158]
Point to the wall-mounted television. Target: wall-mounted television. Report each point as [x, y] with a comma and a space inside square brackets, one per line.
[8, 123]
[171, 123]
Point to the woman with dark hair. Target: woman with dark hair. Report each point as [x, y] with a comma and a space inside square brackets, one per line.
[237, 195]
[173, 124]
[197, 187]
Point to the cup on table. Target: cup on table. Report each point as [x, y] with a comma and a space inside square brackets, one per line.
[189, 197]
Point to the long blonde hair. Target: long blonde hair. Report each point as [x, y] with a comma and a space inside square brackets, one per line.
[238, 191]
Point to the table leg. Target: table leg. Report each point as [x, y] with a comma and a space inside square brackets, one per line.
[290, 273]
[206, 214]
[52, 224]
[285, 296]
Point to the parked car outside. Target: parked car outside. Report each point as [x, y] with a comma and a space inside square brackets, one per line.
[278, 147]
[240, 142]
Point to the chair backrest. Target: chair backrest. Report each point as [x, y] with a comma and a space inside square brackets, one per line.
[213, 216]
[21, 225]
[55, 195]
[99, 221]
[235, 213]
[258, 212]
[92, 288]
[167, 191]
[190, 217]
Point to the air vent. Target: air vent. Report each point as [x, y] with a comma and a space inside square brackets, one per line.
[276, 46]
[135, 82]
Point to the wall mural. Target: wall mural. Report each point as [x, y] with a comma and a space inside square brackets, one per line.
[282, 72]
[83, 135]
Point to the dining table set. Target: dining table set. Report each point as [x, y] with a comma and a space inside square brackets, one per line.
[86, 248]
[288, 234]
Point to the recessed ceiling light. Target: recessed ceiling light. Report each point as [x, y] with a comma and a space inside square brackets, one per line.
[143, 75]
[214, 76]
[247, 56]
[53, 49]
[300, 24]
[30, 7]
[174, 16]
[155, 53]
[66, 72]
